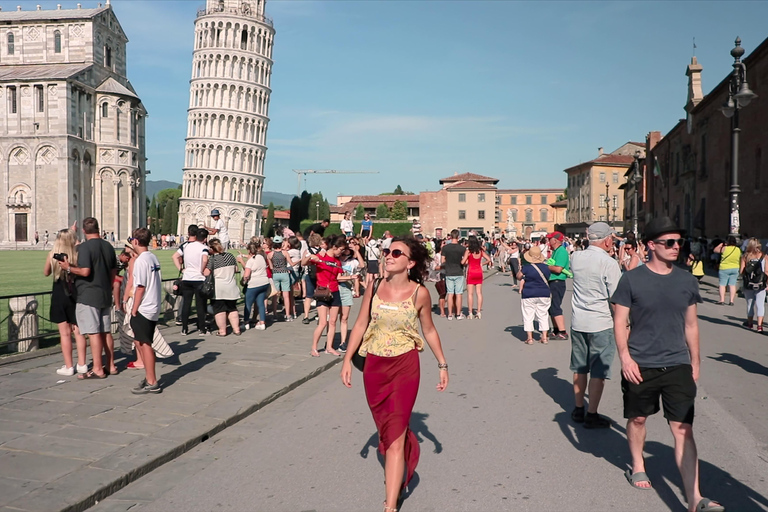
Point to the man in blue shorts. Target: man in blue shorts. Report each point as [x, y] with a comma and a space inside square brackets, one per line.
[451, 255]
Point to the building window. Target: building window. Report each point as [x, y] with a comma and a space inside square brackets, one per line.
[481, 214]
[480, 198]
[543, 215]
[602, 200]
[602, 177]
[602, 218]
[462, 214]
[615, 201]
[56, 41]
[462, 198]
[107, 56]
[512, 199]
[104, 110]
[12, 99]
[244, 40]
[39, 94]
[528, 199]
[615, 177]
[543, 199]
[11, 47]
[528, 215]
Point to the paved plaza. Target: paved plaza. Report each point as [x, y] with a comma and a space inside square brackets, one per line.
[500, 437]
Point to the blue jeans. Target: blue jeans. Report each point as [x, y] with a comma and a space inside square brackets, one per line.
[258, 294]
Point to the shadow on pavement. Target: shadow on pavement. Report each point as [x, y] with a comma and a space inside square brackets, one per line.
[720, 321]
[746, 364]
[517, 331]
[171, 378]
[419, 427]
[611, 445]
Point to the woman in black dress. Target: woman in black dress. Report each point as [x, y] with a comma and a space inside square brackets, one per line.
[62, 310]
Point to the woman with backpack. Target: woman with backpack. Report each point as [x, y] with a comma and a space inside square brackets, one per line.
[752, 269]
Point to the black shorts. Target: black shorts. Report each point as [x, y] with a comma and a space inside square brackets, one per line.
[373, 267]
[675, 386]
[335, 301]
[365, 233]
[557, 288]
[223, 306]
[143, 329]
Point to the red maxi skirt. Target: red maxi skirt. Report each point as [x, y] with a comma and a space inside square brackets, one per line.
[391, 386]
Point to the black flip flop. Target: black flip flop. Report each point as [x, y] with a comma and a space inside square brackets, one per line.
[90, 375]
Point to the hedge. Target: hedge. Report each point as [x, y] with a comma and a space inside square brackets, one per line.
[396, 228]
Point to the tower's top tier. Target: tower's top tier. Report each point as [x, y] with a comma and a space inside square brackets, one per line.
[247, 8]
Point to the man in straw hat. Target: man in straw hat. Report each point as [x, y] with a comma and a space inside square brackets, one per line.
[593, 347]
[660, 356]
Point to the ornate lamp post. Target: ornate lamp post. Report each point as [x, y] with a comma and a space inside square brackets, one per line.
[637, 178]
[739, 96]
[607, 203]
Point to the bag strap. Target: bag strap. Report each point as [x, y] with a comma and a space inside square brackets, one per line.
[541, 274]
[376, 284]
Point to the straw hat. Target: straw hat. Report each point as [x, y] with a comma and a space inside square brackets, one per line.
[533, 255]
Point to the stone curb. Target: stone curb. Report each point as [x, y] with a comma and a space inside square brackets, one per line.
[178, 450]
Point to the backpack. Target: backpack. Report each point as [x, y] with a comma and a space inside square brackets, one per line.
[754, 276]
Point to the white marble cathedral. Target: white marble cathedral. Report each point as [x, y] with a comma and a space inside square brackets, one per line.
[228, 117]
[71, 124]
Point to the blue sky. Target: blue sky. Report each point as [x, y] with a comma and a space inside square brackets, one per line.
[418, 90]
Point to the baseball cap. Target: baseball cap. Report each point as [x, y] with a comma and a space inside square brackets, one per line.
[215, 212]
[556, 235]
[277, 239]
[599, 231]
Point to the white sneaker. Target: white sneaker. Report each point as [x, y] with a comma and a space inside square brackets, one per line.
[246, 327]
[82, 368]
[460, 317]
[260, 327]
[67, 372]
[450, 317]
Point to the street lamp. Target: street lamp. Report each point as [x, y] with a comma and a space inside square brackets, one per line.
[637, 177]
[607, 203]
[739, 96]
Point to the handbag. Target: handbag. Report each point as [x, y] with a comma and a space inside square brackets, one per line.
[177, 285]
[358, 361]
[323, 294]
[440, 287]
[208, 289]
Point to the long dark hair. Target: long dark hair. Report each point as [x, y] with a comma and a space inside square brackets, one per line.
[419, 255]
[474, 245]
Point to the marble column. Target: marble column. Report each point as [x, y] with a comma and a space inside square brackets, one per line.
[116, 183]
[131, 201]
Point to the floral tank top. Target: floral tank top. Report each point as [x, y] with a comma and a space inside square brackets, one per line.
[393, 329]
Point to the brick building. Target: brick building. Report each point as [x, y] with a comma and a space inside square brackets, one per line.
[71, 125]
[694, 158]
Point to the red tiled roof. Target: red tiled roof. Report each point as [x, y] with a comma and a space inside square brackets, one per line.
[560, 204]
[470, 184]
[529, 190]
[279, 214]
[606, 159]
[467, 176]
[412, 200]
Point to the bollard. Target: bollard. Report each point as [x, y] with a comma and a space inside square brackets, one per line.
[24, 323]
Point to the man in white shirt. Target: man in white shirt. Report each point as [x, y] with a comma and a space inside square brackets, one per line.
[219, 229]
[147, 298]
[191, 259]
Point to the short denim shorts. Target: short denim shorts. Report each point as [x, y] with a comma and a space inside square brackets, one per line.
[282, 281]
[454, 284]
[728, 277]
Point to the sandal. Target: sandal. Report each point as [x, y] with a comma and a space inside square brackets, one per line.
[636, 478]
[237, 333]
[111, 372]
[91, 375]
[314, 353]
[388, 509]
[221, 335]
[707, 505]
[543, 342]
[529, 341]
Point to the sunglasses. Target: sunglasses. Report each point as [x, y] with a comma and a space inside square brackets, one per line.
[396, 253]
[670, 243]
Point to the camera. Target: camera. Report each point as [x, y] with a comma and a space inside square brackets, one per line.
[59, 256]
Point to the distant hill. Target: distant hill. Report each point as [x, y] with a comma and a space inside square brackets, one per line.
[153, 187]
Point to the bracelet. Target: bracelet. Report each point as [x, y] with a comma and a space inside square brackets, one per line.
[442, 366]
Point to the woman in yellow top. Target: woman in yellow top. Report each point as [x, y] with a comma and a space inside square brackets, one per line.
[730, 258]
[387, 327]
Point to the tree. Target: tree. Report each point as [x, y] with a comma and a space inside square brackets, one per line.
[382, 211]
[296, 208]
[306, 199]
[267, 228]
[564, 195]
[325, 210]
[398, 191]
[359, 212]
[170, 217]
[400, 210]
[152, 215]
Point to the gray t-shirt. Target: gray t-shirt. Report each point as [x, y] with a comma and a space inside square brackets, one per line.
[96, 289]
[453, 253]
[657, 306]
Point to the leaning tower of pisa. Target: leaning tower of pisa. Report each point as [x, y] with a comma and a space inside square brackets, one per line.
[228, 116]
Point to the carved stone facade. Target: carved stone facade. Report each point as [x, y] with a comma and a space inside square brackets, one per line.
[228, 117]
[71, 125]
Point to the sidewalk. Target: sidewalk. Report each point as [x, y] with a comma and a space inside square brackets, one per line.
[65, 444]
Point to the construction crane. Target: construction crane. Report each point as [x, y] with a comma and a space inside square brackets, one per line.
[304, 172]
